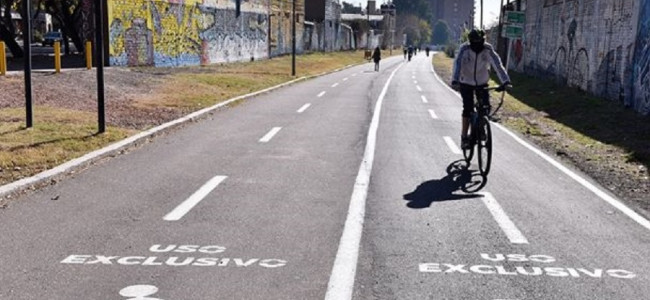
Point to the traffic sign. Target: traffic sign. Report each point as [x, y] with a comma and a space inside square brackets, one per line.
[513, 31]
[515, 17]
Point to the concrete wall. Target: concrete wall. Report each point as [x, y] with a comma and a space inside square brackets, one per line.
[186, 32]
[589, 44]
[281, 31]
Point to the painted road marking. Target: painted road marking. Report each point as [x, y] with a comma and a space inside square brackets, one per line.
[304, 108]
[512, 232]
[524, 265]
[140, 292]
[322, 94]
[424, 99]
[345, 79]
[433, 114]
[419, 88]
[415, 81]
[193, 200]
[335, 85]
[597, 191]
[341, 283]
[177, 256]
[267, 138]
[450, 143]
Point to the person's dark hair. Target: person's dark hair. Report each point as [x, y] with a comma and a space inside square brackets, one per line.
[476, 36]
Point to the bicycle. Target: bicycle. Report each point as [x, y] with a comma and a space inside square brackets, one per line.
[481, 133]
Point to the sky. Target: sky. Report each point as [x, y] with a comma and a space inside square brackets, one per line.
[490, 12]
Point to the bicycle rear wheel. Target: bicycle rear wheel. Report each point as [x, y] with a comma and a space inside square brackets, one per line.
[484, 146]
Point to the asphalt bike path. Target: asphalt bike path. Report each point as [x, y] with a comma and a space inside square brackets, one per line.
[269, 180]
[532, 232]
[254, 202]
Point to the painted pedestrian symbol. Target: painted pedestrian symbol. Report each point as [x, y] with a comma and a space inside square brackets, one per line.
[139, 292]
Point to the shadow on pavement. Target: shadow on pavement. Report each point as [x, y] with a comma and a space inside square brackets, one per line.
[458, 179]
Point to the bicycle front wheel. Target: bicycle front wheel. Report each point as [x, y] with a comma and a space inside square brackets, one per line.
[485, 147]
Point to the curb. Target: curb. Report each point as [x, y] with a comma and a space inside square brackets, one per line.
[6, 191]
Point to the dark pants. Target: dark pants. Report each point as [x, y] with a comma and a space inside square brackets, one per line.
[468, 92]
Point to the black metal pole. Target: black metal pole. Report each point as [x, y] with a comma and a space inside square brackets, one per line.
[27, 46]
[99, 61]
[293, 42]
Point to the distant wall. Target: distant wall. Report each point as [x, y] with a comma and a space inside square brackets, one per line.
[595, 45]
[186, 32]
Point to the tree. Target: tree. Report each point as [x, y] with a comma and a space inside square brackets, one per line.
[69, 14]
[7, 28]
[419, 8]
[441, 33]
[349, 8]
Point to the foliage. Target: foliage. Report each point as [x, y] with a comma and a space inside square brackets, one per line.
[450, 49]
[418, 8]
[441, 33]
[417, 30]
[349, 8]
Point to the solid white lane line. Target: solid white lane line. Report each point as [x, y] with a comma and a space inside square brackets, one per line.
[455, 149]
[267, 138]
[322, 94]
[602, 195]
[335, 85]
[193, 200]
[433, 114]
[304, 108]
[424, 99]
[341, 283]
[597, 191]
[419, 88]
[508, 227]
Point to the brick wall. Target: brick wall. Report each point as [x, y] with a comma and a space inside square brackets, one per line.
[589, 44]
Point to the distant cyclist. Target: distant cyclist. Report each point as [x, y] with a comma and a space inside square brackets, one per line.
[471, 75]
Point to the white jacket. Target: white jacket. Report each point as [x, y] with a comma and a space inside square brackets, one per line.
[471, 68]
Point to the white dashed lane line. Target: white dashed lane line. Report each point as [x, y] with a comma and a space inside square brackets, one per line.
[454, 148]
[322, 94]
[419, 88]
[433, 114]
[267, 138]
[424, 99]
[345, 79]
[335, 85]
[508, 227]
[193, 200]
[304, 108]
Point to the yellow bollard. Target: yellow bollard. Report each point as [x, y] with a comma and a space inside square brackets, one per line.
[3, 59]
[57, 56]
[89, 55]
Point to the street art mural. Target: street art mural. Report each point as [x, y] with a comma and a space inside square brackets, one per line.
[589, 44]
[186, 32]
[641, 69]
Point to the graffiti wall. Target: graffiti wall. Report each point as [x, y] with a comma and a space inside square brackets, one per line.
[186, 32]
[641, 69]
[589, 44]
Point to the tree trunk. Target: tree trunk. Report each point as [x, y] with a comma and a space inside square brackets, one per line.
[10, 40]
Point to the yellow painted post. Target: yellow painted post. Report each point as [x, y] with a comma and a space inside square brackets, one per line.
[89, 55]
[57, 56]
[3, 59]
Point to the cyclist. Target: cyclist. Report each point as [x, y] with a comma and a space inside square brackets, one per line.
[471, 75]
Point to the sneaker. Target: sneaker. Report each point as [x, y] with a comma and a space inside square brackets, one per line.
[464, 142]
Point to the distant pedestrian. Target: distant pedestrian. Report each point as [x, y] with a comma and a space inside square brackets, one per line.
[376, 57]
[405, 52]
